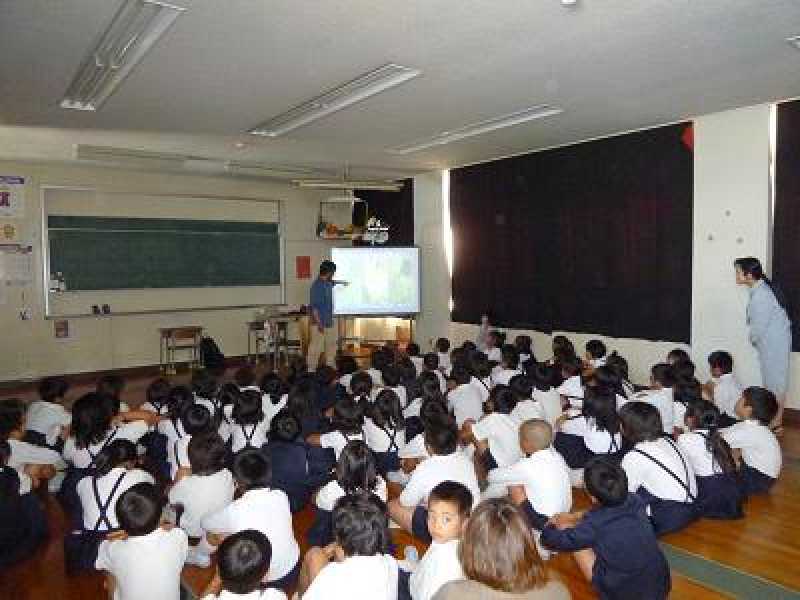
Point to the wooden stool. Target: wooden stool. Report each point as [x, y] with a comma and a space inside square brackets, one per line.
[258, 341]
[178, 339]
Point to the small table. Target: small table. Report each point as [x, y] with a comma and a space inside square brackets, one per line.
[256, 339]
[176, 339]
[279, 334]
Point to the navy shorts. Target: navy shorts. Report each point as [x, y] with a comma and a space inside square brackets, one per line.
[755, 482]
[488, 460]
[419, 525]
[536, 520]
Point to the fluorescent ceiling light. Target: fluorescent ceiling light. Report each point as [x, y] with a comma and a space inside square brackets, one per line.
[128, 157]
[794, 41]
[349, 184]
[521, 116]
[135, 28]
[361, 88]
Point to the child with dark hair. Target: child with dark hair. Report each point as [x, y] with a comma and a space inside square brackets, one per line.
[446, 463]
[542, 377]
[47, 420]
[145, 559]
[464, 400]
[595, 353]
[494, 342]
[754, 444]
[496, 435]
[508, 367]
[619, 365]
[23, 523]
[208, 488]
[525, 407]
[676, 355]
[346, 366]
[110, 387]
[431, 364]
[481, 371]
[723, 388]
[157, 397]
[206, 391]
[292, 469]
[347, 425]
[571, 388]
[413, 353]
[660, 395]
[358, 565]
[658, 470]
[392, 380]
[443, 352]
[356, 473]
[249, 425]
[243, 562]
[383, 430]
[245, 378]
[449, 507]
[563, 350]
[195, 420]
[523, 344]
[379, 360]
[330, 390]
[612, 542]
[262, 508]
[179, 400]
[593, 432]
[116, 472]
[719, 495]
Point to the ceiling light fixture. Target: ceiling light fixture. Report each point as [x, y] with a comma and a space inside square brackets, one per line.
[361, 88]
[349, 184]
[794, 41]
[446, 137]
[135, 29]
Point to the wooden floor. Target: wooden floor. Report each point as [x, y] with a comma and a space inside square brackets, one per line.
[764, 547]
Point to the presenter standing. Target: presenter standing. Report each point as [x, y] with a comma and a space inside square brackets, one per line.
[770, 329]
[322, 333]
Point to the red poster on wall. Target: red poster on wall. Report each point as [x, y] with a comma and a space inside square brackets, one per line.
[303, 267]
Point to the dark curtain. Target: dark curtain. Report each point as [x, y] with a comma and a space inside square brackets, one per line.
[594, 237]
[786, 231]
[395, 209]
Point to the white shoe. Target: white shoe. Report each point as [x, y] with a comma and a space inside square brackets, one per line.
[198, 559]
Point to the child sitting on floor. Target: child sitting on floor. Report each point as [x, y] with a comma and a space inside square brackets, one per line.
[613, 541]
[723, 388]
[47, 420]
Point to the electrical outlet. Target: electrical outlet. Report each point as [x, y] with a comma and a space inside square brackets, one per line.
[25, 314]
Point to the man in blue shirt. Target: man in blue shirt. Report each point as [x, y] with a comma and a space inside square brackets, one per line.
[322, 334]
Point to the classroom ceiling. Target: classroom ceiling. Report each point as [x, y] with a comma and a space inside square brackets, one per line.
[227, 65]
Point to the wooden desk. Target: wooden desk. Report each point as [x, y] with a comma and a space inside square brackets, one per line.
[279, 335]
[177, 339]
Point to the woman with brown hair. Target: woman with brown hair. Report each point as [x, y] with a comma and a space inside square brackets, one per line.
[500, 559]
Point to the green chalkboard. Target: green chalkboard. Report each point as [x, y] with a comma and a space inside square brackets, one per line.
[99, 253]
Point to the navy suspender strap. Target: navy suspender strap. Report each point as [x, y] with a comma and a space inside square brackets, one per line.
[248, 439]
[104, 505]
[107, 441]
[177, 454]
[175, 427]
[684, 485]
[393, 447]
[613, 445]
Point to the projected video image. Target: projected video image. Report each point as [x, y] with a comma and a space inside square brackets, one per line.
[382, 281]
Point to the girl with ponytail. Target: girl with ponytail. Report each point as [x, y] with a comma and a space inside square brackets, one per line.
[770, 328]
[719, 494]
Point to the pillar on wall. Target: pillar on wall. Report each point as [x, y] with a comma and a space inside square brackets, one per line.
[731, 219]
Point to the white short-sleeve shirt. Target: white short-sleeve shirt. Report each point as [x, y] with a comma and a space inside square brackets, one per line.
[494, 354]
[256, 433]
[501, 376]
[419, 363]
[527, 409]
[502, 433]
[694, 446]
[572, 388]
[332, 491]
[414, 448]
[376, 376]
[599, 442]
[147, 566]
[202, 495]
[438, 566]
[759, 446]
[413, 408]
[436, 469]
[91, 511]
[267, 511]
[727, 391]
[545, 476]
[663, 401]
[178, 455]
[81, 458]
[267, 594]
[338, 440]
[643, 472]
[47, 418]
[380, 440]
[356, 578]
[465, 402]
[24, 453]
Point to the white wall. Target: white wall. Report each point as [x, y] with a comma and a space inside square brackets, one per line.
[731, 219]
[29, 348]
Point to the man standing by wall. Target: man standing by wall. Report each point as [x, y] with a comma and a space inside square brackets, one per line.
[323, 334]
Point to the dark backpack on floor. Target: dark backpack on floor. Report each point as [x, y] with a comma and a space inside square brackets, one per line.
[211, 356]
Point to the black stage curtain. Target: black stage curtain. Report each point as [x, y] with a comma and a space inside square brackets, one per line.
[786, 230]
[395, 209]
[594, 237]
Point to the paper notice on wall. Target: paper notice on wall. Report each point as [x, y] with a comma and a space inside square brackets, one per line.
[12, 196]
[16, 268]
[13, 233]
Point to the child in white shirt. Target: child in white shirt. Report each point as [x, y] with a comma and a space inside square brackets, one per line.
[243, 562]
[379, 360]
[525, 407]
[412, 351]
[496, 435]
[144, 560]
[594, 431]
[449, 506]
[358, 564]
[384, 430]
[724, 387]
[261, 508]
[179, 400]
[464, 401]
[347, 424]
[658, 470]
[543, 393]
[207, 489]
[754, 444]
[524, 347]
[571, 389]
[249, 425]
[539, 483]
[391, 380]
[431, 364]
[47, 420]
[443, 353]
[494, 341]
[662, 378]
[508, 367]
[446, 463]
[196, 420]
[112, 386]
[595, 353]
[481, 375]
